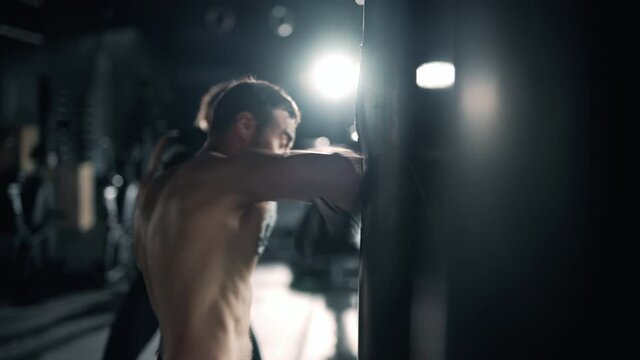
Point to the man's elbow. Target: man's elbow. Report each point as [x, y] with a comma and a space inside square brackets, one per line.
[349, 178]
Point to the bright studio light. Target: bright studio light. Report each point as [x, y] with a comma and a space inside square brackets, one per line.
[436, 75]
[335, 76]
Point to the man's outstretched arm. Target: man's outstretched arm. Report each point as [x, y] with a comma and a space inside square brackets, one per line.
[302, 176]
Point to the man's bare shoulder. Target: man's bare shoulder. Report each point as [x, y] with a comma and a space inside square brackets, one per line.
[199, 183]
[152, 190]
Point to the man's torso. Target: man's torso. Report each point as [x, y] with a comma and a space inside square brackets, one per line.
[196, 242]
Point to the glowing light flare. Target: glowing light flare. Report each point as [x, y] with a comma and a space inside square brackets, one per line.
[480, 100]
[480, 105]
[322, 142]
[436, 75]
[281, 21]
[202, 124]
[284, 30]
[354, 133]
[110, 192]
[278, 11]
[335, 76]
[117, 180]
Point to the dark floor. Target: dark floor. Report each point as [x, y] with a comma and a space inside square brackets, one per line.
[288, 324]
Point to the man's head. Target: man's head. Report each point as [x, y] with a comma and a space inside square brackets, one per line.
[242, 114]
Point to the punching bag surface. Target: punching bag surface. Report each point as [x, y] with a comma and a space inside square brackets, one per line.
[483, 208]
[385, 287]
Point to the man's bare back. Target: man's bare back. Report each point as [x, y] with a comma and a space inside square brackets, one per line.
[197, 243]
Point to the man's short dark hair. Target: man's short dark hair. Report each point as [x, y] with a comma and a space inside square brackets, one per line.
[224, 101]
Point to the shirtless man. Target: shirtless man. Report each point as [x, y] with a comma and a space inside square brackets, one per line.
[199, 225]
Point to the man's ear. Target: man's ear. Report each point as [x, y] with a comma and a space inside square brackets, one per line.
[246, 126]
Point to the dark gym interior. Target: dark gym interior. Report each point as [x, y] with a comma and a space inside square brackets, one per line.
[483, 127]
